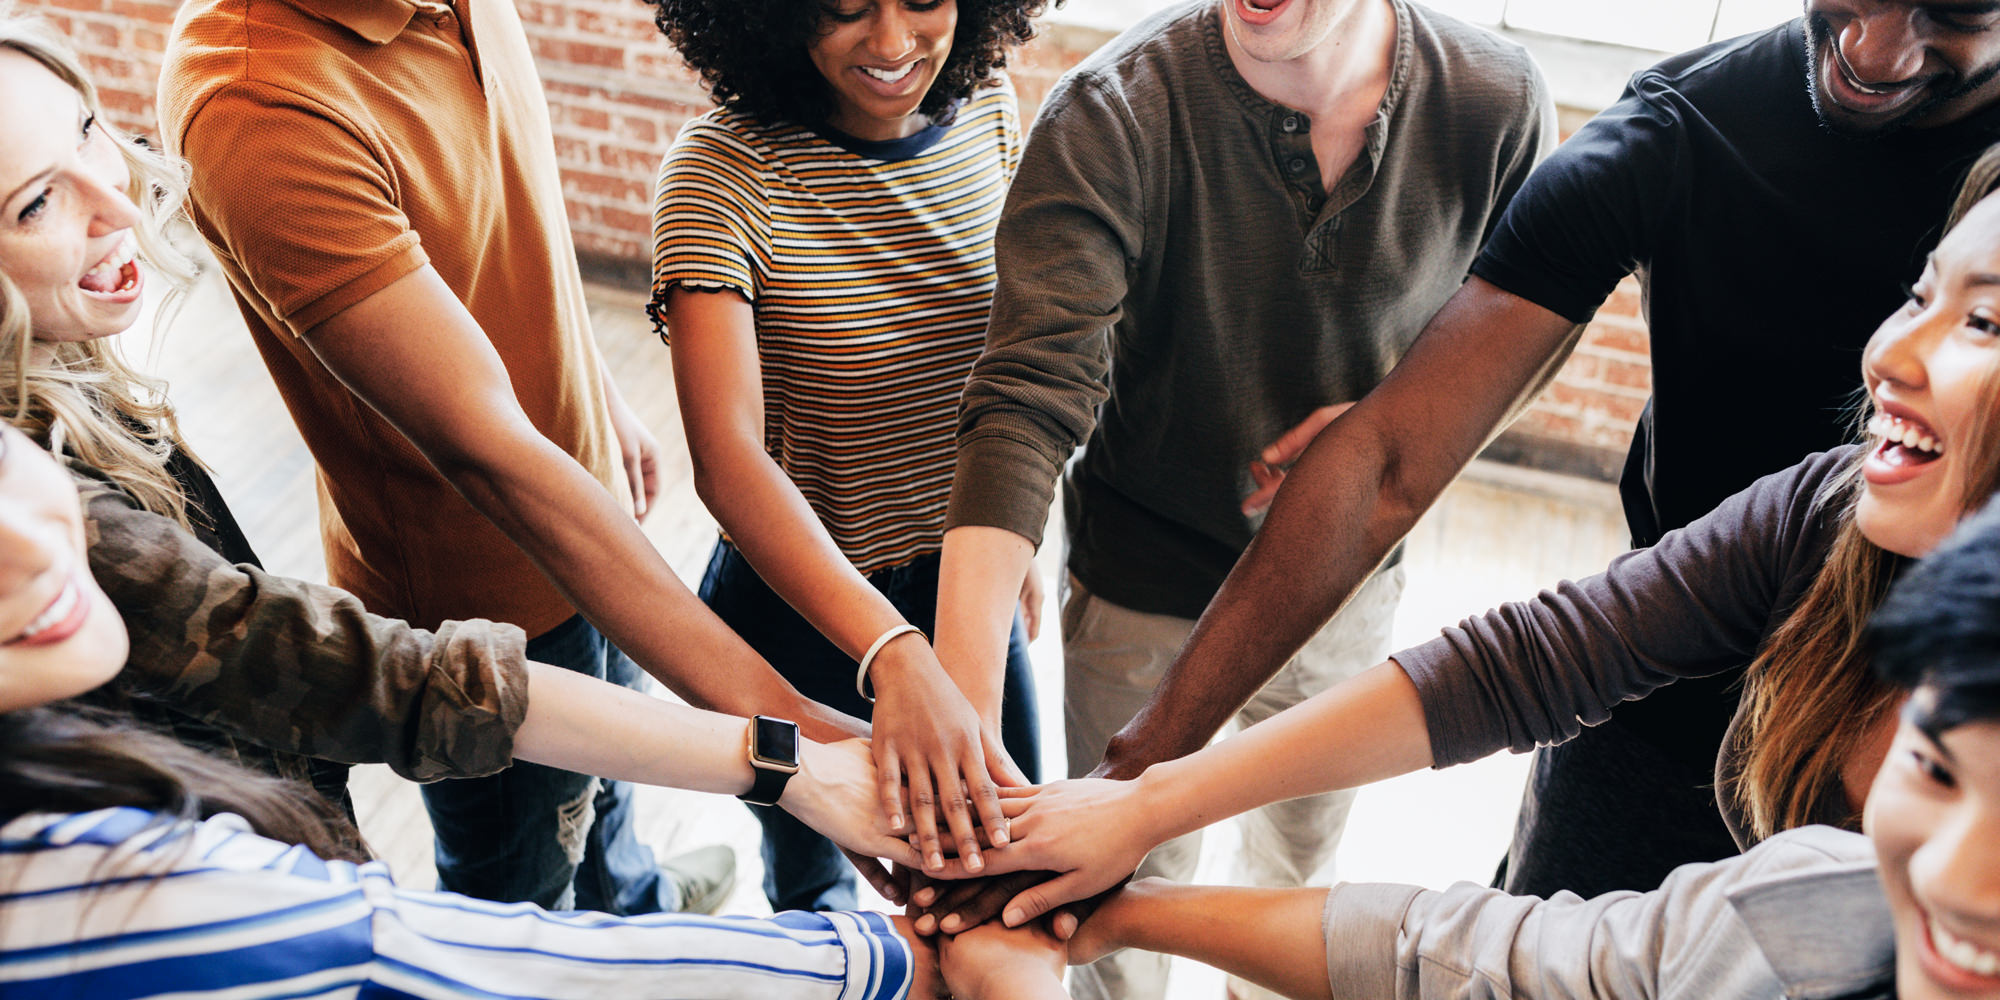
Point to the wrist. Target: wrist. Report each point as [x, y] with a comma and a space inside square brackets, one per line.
[1159, 803]
[895, 645]
[900, 657]
[804, 788]
[1122, 761]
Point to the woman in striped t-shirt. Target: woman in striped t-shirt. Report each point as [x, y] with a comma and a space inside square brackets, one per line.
[824, 267]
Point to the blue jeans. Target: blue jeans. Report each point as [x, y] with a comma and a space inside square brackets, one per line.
[803, 870]
[553, 838]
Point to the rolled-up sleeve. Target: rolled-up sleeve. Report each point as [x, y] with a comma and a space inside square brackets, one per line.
[1066, 240]
[303, 667]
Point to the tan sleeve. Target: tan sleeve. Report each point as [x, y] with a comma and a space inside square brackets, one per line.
[302, 203]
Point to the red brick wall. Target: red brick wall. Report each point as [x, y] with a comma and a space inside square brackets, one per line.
[617, 94]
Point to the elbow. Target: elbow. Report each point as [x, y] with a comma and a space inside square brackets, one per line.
[1393, 480]
[711, 484]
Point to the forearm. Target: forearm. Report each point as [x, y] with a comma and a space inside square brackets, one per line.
[770, 521]
[1349, 500]
[594, 552]
[1360, 731]
[582, 724]
[979, 581]
[1272, 937]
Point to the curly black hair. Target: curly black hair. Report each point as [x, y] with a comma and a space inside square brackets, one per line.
[752, 53]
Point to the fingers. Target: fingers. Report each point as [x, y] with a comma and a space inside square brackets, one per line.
[986, 801]
[1031, 603]
[974, 903]
[889, 786]
[635, 479]
[896, 850]
[923, 810]
[878, 877]
[1293, 443]
[954, 803]
[1040, 899]
[1268, 481]
[650, 471]
[1010, 794]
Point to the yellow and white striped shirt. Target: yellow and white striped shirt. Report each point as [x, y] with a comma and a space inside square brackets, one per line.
[870, 269]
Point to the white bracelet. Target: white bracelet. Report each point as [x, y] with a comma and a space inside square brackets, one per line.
[861, 676]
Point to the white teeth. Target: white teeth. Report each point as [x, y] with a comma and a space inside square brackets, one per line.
[1900, 431]
[65, 602]
[889, 75]
[115, 261]
[1963, 954]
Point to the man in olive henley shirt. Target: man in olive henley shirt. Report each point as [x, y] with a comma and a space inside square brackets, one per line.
[1226, 220]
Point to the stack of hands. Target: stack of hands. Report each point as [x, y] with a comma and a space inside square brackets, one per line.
[1001, 880]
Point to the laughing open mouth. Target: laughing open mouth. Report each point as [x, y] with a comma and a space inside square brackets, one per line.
[117, 272]
[1905, 441]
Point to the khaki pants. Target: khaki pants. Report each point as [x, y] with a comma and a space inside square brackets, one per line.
[1113, 658]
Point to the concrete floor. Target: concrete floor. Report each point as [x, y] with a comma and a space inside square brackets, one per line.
[1499, 534]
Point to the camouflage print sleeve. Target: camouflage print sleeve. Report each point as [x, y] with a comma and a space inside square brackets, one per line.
[303, 667]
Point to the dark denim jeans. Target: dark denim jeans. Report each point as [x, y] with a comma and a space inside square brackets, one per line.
[803, 870]
[554, 838]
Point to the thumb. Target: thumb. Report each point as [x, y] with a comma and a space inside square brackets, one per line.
[1001, 765]
[1033, 902]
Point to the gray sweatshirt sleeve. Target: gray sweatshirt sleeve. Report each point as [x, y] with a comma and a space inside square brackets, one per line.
[1684, 939]
[1071, 227]
[1698, 603]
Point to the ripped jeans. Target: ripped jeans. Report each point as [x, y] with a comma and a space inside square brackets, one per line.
[557, 839]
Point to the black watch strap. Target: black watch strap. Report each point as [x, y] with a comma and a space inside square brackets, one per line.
[774, 758]
[767, 788]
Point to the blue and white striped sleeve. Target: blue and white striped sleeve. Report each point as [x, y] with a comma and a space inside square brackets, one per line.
[519, 950]
[125, 903]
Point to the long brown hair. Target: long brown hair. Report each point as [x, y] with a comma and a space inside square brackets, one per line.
[82, 399]
[72, 757]
[1810, 698]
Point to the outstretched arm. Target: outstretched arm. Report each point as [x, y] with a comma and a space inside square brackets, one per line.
[1096, 832]
[586, 725]
[1272, 937]
[450, 395]
[925, 729]
[1354, 494]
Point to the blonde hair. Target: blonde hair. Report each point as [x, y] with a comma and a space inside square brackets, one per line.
[1810, 698]
[82, 399]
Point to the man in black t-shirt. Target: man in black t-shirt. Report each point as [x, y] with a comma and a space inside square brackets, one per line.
[1772, 193]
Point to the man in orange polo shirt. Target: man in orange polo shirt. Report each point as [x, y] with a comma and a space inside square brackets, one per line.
[378, 180]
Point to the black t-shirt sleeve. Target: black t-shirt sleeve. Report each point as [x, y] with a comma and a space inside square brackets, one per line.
[1587, 215]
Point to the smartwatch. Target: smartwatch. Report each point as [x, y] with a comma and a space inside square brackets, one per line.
[774, 756]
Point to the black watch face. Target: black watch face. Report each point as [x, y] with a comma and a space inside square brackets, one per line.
[777, 741]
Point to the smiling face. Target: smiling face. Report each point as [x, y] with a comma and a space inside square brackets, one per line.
[879, 58]
[1279, 30]
[1931, 372]
[1934, 815]
[59, 634]
[1879, 65]
[66, 225]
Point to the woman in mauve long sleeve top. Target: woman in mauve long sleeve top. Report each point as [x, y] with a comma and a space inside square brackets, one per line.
[1700, 602]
